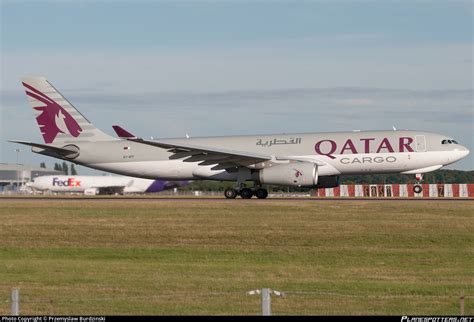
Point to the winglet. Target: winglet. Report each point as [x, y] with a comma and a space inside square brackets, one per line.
[122, 133]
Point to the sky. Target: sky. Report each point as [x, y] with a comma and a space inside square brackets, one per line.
[203, 68]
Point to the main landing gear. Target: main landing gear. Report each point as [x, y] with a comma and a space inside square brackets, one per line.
[244, 174]
[417, 188]
[246, 193]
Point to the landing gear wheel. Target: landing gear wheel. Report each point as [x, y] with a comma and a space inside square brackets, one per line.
[230, 193]
[417, 188]
[246, 193]
[261, 193]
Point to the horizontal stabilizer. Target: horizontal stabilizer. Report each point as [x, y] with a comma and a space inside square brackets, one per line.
[69, 152]
[46, 147]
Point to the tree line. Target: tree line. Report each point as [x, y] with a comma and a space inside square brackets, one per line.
[439, 176]
[64, 168]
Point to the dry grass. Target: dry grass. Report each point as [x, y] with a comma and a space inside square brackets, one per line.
[200, 257]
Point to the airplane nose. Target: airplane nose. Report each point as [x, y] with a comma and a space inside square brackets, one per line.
[466, 151]
[462, 152]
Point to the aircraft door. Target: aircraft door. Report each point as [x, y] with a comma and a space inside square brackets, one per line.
[420, 143]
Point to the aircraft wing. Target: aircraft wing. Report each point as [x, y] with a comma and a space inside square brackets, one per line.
[220, 158]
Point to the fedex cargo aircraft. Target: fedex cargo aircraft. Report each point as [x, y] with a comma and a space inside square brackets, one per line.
[300, 159]
[98, 185]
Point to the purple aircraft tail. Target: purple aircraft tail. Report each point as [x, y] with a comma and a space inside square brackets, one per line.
[160, 185]
[58, 120]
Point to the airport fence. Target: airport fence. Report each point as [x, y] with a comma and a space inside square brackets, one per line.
[386, 191]
[441, 190]
[50, 305]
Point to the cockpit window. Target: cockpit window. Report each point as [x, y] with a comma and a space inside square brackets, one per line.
[449, 142]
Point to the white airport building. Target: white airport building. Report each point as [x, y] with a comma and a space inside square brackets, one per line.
[13, 176]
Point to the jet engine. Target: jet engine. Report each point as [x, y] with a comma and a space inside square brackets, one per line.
[296, 174]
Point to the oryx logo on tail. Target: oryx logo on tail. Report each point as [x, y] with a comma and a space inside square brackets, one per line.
[53, 118]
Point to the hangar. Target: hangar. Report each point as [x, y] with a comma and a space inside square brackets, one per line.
[13, 176]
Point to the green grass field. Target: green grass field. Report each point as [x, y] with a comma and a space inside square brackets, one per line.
[201, 257]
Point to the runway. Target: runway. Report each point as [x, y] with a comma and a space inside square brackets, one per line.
[220, 199]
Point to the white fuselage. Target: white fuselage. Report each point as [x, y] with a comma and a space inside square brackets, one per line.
[64, 183]
[336, 153]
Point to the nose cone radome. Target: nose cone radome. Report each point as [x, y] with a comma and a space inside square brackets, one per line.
[461, 152]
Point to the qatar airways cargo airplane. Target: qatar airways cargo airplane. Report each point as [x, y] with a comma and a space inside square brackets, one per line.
[98, 185]
[301, 159]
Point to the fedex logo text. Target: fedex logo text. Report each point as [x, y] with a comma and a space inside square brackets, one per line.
[70, 182]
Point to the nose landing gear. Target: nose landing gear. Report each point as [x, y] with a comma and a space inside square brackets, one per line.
[417, 188]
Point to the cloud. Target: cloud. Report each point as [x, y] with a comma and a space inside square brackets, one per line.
[252, 68]
[356, 101]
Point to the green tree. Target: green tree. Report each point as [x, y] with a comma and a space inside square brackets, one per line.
[57, 167]
[65, 168]
[73, 170]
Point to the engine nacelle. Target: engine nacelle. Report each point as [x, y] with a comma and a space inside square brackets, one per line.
[296, 174]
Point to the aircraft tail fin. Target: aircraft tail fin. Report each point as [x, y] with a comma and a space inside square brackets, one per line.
[59, 121]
